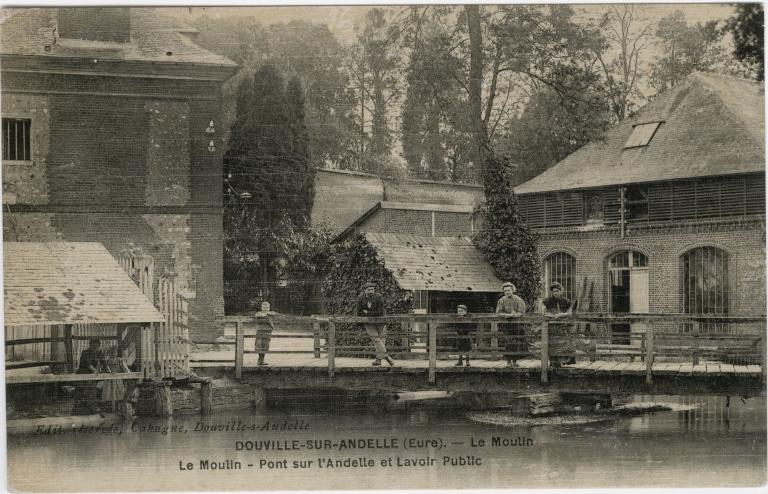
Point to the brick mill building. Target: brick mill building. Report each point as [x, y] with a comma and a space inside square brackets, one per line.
[667, 213]
[422, 231]
[111, 134]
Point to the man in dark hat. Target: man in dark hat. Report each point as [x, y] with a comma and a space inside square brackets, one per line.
[371, 304]
[561, 346]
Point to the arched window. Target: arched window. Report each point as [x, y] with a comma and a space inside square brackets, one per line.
[704, 276]
[561, 267]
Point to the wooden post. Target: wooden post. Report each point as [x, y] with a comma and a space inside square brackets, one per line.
[649, 354]
[432, 329]
[331, 349]
[70, 356]
[259, 398]
[545, 352]
[494, 341]
[316, 334]
[695, 344]
[239, 343]
[206, 397]
[764, 356]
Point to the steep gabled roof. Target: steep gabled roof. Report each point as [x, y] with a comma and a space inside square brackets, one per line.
[50, 283]
[450, 264]
[709, 125]
[33, 32]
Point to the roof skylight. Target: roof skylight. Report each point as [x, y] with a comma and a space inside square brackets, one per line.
[641, 135]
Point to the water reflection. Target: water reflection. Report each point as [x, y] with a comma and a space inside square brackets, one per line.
[710, 444]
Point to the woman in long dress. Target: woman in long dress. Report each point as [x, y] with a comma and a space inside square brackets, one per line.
[112, 390]
[562, 347]
[516, 342]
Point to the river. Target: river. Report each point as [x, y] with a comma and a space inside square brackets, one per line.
[375, 445]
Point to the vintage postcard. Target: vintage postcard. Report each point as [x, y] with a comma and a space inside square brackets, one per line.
[384, 247]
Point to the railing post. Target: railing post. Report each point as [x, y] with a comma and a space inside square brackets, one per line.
[69, 351]
[239, 344]
[432, 329]
[649, 354]
[494, 341]
[695, 344]
[545, 352]
[331, 349]
[764, 356]
[316, 333]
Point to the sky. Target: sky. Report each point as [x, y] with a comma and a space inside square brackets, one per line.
[343, 19]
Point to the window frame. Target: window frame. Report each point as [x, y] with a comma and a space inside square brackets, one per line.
[28, 136]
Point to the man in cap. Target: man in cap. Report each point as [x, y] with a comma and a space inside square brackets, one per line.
[371, 304]
[516, 344]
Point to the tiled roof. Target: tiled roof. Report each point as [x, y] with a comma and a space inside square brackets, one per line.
[449, 264]
[69, 283]
[710, 125]
[343, 197]
[32, 31]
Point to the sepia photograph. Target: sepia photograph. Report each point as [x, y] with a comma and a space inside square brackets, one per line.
[383, 247]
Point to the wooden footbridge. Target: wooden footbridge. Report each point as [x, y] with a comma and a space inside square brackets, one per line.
[607, 353]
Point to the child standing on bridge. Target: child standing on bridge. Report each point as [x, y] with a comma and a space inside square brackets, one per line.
[264, 327]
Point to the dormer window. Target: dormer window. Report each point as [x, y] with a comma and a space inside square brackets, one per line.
[641, 135]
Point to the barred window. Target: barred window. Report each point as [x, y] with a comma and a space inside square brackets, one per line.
[705, 285]
[705, 281]
[561, 267]
[17, 139]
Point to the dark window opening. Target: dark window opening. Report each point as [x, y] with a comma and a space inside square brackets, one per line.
[636, 203]
[593, 208]
[17, 139]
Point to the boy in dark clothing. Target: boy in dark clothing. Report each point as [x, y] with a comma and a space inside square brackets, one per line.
[371, 304]
[464, 333]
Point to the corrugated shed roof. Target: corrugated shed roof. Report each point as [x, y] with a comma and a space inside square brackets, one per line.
[710, 125]
[69, 283]
[449, 264]
[30, 30]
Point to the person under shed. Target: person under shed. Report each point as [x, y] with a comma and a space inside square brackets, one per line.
[371, 304]
[515, 339]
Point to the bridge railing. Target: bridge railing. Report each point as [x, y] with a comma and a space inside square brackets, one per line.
[692, 340]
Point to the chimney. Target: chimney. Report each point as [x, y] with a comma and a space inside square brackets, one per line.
[95, 23]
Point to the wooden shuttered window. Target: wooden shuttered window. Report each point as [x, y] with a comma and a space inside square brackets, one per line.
[707, 198]
[532, 208]
[680, 200]
[552, 210]
[612, 205]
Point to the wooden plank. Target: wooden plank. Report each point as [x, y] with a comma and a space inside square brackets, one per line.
[755, 369]
[686, 368]
[741, 369]
[713, 368]
[727, 368]
[54, 378]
